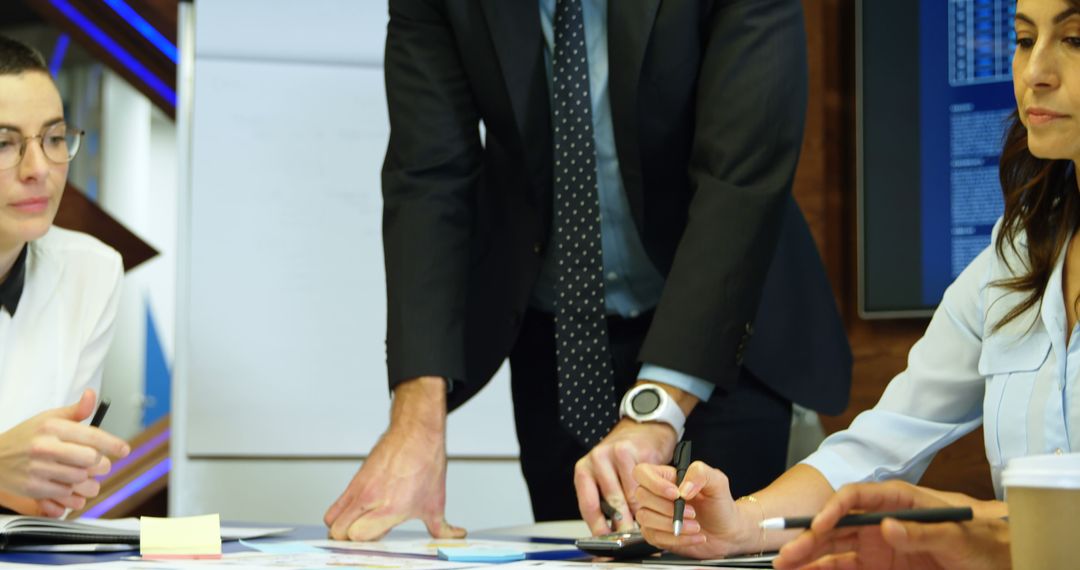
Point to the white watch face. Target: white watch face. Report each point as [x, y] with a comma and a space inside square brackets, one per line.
[645, 402]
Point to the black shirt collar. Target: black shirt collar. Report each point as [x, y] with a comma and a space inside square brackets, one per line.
[11, 288]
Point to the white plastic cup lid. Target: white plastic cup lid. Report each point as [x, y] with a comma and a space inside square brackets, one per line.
[1044, 472]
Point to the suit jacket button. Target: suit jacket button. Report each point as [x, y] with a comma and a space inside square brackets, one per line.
[538, 248]
[749, 329]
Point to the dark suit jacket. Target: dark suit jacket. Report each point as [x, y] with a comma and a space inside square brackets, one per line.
[707, 101]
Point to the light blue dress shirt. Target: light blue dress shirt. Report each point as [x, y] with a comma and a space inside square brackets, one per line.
[1021, 382]
[632, 285]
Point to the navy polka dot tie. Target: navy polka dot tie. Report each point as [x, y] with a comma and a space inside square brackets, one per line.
[587, 401]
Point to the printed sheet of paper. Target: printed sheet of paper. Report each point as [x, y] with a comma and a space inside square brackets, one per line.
[431, 546]
[227, 532]
[307, 561]
[612, 565]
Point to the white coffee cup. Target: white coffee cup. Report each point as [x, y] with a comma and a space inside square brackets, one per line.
[1043, 492]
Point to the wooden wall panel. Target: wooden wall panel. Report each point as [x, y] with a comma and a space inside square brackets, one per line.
[79, 213]
[825, 188]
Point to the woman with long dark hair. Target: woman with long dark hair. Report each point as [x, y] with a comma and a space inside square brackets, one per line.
[1000, 352]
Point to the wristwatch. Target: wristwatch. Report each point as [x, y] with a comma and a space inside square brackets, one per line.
[651, 403]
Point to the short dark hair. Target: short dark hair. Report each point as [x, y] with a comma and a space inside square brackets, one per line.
[17, 57]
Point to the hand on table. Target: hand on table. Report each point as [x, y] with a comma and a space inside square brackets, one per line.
[53, 459]
[404, 476]
[981, 544]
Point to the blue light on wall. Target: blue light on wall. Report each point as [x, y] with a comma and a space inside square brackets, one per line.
[138, 484]
[58, 53]
[157, 374]
[114, 49]
[143, 27]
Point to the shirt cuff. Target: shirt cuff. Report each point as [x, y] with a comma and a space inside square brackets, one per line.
[693, 385]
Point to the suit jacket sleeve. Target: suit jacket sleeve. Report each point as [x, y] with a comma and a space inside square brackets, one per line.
[750, 109]
[433, 163]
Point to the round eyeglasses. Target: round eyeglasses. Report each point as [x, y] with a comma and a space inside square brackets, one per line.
[59, 143]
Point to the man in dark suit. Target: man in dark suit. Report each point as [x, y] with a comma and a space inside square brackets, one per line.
[624, 230]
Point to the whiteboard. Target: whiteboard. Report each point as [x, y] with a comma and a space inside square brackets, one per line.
[319, 31]
[287, 317]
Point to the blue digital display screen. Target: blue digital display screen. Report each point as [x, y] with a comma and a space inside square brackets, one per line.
[936, 98]
[966, 99]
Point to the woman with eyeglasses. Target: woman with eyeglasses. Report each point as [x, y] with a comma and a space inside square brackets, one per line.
[59, 292]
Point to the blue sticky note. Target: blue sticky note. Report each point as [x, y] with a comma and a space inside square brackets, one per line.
[480, 554]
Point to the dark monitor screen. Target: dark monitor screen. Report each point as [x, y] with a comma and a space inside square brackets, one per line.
[935, 97]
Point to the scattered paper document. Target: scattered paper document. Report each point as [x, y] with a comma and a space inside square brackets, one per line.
[431, 546]
[131, 525]
[283, 547]
[331, 561]
[180, 537]
[743, 561]
[557, 565]
[253, 560]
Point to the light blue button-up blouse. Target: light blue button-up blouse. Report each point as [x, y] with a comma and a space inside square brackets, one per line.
[1020, 382]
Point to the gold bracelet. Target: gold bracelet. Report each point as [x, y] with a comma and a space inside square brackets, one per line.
[761, 509]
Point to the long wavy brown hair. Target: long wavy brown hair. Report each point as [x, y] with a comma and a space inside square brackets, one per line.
[1042, 203]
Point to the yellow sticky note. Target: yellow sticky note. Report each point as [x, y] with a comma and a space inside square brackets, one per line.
[180, 537]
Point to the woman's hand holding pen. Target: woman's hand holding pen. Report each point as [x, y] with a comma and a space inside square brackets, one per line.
[53, 458]
[713, 524]
[894, 545]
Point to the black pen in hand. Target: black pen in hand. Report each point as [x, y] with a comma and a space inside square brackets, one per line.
[682, 461]
[947, 514]
[612, 515]
[99, 415]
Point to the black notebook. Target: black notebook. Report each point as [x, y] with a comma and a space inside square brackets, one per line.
[20, 533]
[17, 531]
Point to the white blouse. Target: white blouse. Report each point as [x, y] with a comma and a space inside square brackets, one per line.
[1021, 382]
[54, 347]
